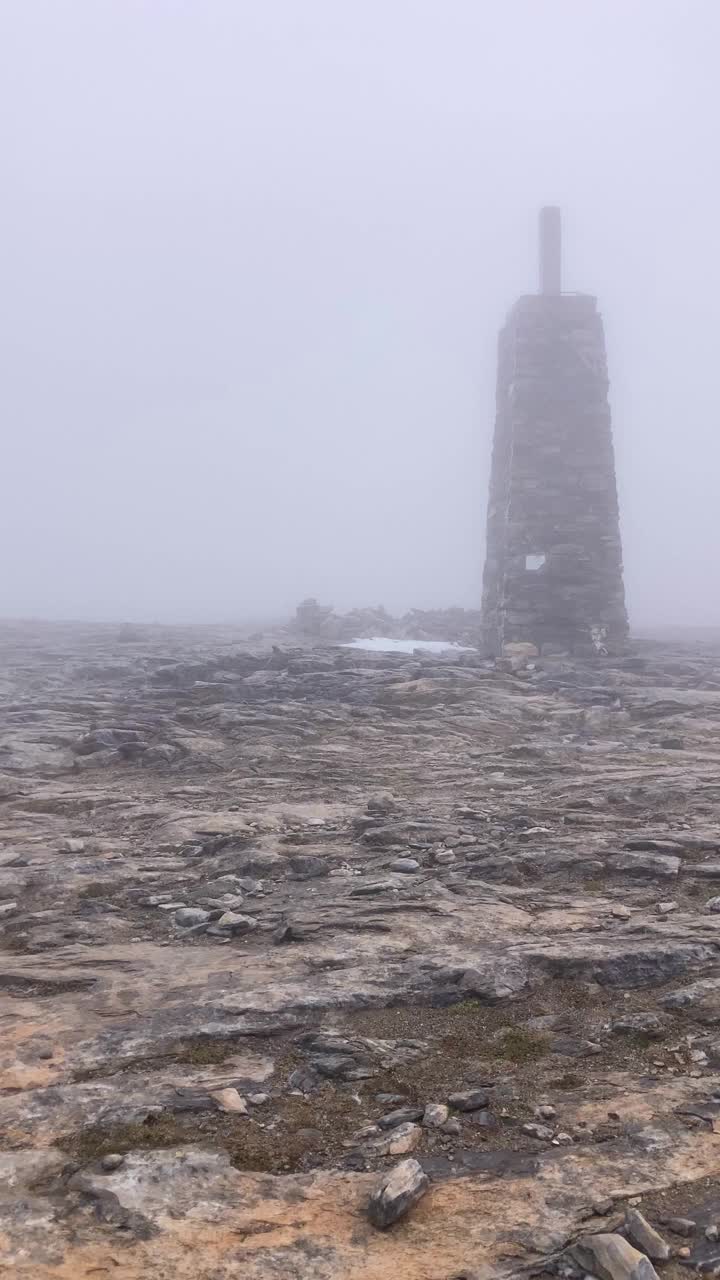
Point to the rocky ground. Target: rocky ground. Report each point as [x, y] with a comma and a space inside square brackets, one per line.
[278, 924]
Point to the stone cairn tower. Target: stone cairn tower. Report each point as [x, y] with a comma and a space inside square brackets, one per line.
[553, 572]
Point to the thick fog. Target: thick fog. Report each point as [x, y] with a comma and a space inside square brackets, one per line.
[254, 258]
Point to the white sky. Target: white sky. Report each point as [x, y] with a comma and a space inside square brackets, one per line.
[254, 257]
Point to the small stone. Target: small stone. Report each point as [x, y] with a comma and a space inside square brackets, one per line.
[7, 908]
[545, 1112]
[666, 908]
[712, 904]
[308, 867]
[111, 1162]
[646, 1024]
[397, 1193]
[444, 857]
[172, 906]
[620, 912]
[72, 845]
[684, 1252]
[258, 1099]
[452, 1127]
[405, 865]
[382, 802]
[712, 1232]
[403, 1115]
[645, 1237]
[236, 923]
[435, 1115]
[470, 1100]
[230, 1100]
[603, 1207]
[611, 1257]
[539, 1131]
[400, 1141]
[681, 1226]
[563, 1139]
[188, 916]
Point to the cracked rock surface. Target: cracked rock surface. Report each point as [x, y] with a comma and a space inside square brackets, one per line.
[278, 921]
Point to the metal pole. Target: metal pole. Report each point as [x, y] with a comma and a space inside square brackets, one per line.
[550, 250]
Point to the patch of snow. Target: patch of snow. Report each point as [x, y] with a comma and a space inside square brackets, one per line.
[383, 644]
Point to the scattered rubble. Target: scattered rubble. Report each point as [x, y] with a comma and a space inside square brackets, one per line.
[275, 915]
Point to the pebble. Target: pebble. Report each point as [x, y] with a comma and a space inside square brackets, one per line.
[435, 1115]
[648, 1024]
[230, 1100]
[620, 912]
[539, 1131]
[712, 904]
[111, 1162]
[406, 865]
[308, 867]
[72, 845]
[470, 1100]
[7, 908]
[236, 923]
[399, 1190]
[712, 1232]
[187, 916]
[400, 1141]
[228, 902]
[259, 1099]
[403, 1115]
[452, 1127]
[545, 1112]
[444, 857]
[665, 908]
[172, 906]
[381, 802]
[681, 1226]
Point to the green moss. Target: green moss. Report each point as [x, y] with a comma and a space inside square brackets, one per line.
[570, 1080]
[464, 1009]
[197, 1051]
[95, 1142]
[96, 889]
[201, 1052]
[522, 1046]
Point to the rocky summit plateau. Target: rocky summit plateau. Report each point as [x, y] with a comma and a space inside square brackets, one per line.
[330, 964]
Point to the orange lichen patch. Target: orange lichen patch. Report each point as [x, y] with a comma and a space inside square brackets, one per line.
[254, 1224]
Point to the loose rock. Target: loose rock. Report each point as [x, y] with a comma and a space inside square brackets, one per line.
[471, 1100]
[401, 1140]
[230, 1100]
[111, 1162]
[645, 1237]
[611, 1257]
[435, 1115]
[188, 916]
[397, 1193]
